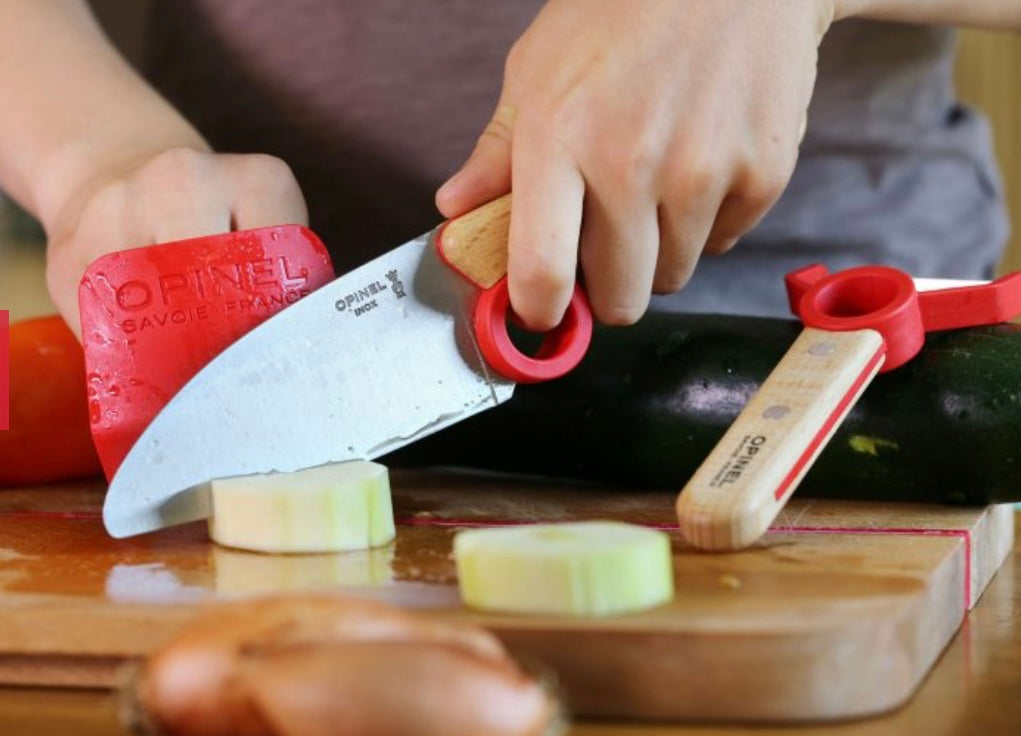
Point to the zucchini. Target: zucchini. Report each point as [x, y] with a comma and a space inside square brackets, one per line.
[650, 401]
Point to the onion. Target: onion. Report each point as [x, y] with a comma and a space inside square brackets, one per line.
[318, 664]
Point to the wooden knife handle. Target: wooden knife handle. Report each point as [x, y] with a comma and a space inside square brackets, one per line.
[475, 244]
[747, 478]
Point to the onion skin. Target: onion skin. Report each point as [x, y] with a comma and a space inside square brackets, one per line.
[386, 688]
[304, 665]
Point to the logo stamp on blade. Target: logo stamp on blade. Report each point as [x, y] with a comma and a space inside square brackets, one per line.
[363, 299]
[396, 284]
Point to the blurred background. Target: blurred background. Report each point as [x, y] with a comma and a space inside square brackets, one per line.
[988, 74]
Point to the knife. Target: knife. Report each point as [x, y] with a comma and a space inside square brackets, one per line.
[394, 350]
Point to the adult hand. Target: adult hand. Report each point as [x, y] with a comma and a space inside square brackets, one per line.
[636, 136]
[170, 195]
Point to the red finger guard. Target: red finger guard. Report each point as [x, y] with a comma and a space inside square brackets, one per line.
[885, 299]
[561, 350]
[152, 317]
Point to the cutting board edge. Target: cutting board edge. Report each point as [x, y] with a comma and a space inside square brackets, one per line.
[986, 560]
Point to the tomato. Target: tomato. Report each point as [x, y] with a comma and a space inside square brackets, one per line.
[49, 437]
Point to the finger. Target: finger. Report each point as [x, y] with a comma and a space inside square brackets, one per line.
[756, 185]
[264, 193]
[685, 221]
[544, 231]
[735, 217]
[177, 195]
[487, 173]
[748, 201]
[619, 247]
[181, 220]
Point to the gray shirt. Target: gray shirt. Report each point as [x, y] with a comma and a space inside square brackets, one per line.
[893, 170]
[375, 102]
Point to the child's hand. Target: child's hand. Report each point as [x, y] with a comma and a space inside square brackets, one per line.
[172, 195]
[676, 124]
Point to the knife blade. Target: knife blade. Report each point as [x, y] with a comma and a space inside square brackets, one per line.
[366, 364]
[927, 284]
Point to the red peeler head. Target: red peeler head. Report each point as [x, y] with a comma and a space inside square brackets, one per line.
[869, 297]
[885, 299]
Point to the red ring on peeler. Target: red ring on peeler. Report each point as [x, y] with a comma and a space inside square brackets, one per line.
[868, 297]
[561, 350]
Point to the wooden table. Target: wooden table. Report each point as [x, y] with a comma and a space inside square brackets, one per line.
[972, 690]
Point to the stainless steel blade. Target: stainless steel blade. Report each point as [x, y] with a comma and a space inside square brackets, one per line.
[934, 284]
[378, 358]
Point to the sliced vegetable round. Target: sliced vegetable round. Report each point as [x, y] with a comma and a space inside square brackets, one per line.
[327, 508]
[590, 568]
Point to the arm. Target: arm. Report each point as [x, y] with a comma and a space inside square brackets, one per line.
[639, 135]
[102, 160]
[1004, 14]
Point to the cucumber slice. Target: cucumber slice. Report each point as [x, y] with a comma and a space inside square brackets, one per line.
[589, 568]
[327, 508]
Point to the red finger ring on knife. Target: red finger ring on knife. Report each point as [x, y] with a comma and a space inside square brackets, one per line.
[483, 262]
[561, 350]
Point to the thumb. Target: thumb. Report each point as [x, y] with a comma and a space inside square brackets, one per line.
[486, 174]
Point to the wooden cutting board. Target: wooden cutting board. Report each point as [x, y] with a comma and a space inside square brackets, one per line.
[838, 612]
